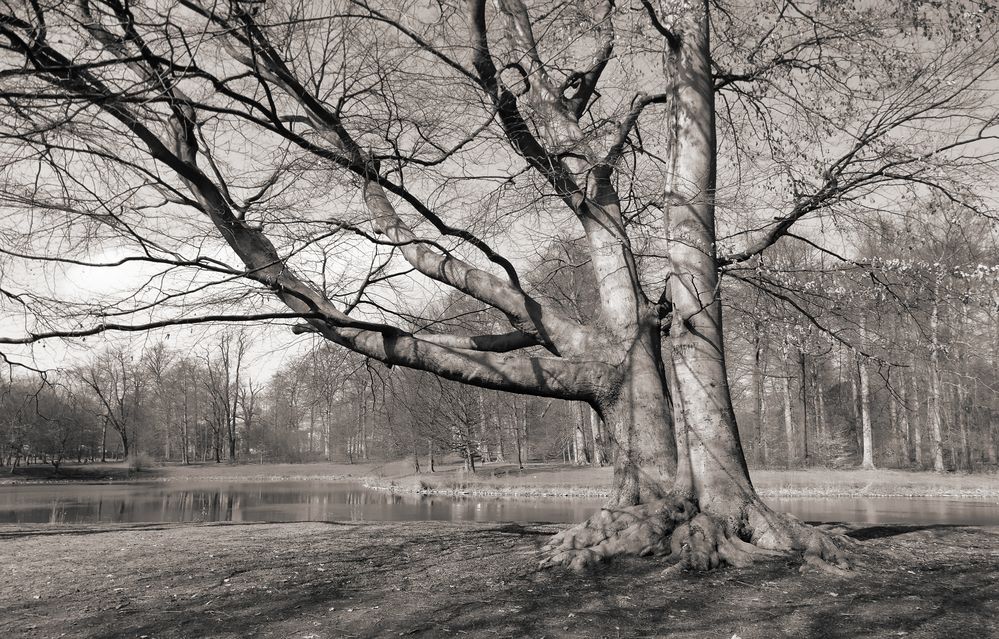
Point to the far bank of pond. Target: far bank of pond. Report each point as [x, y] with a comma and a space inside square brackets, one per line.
[319, 500]
[536, 479]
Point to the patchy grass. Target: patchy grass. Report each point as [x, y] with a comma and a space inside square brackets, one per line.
[434, 579]
[46, 473]
[534, 480]
[119, 472]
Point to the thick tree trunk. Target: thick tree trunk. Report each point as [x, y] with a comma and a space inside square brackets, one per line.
[638, 418]
[713, 514]
[714, 472]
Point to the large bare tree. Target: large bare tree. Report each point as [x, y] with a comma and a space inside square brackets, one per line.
[351, 158]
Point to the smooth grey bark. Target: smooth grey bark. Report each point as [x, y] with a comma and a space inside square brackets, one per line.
[789, 438]
[867, 434]
[713, 469]
[760, 396]
[638, 419]
[934, 408]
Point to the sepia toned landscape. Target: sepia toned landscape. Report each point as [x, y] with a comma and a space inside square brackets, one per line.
[499, 318]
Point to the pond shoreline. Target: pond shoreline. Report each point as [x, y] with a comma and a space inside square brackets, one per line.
[535, 481]
[525, 492]
[778, 492]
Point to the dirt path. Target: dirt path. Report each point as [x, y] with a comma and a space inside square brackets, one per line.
[429, 579]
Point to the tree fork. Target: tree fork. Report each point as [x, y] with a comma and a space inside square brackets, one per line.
[712, 515]
[638, 419]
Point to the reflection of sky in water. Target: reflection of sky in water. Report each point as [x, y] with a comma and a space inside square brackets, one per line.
[893, 510]
[333, 501]
[266, 501]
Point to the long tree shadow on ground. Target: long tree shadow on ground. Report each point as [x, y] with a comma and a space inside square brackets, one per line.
[423, 579]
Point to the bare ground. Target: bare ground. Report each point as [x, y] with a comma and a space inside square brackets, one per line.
[432, 579]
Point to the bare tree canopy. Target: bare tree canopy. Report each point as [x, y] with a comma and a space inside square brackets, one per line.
[398, 177]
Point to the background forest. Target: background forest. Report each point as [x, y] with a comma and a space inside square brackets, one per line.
[884, 356]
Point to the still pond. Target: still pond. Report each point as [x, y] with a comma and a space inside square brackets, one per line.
[346, 501]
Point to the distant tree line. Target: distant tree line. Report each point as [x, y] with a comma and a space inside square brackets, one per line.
[323, 405]
[869, 361]
[886, 358]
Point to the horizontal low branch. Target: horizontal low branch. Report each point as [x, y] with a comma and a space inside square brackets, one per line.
[495, 343]
[31, 338]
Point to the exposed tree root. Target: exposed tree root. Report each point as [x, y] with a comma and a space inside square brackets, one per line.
[696, 540]
[640, 530]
